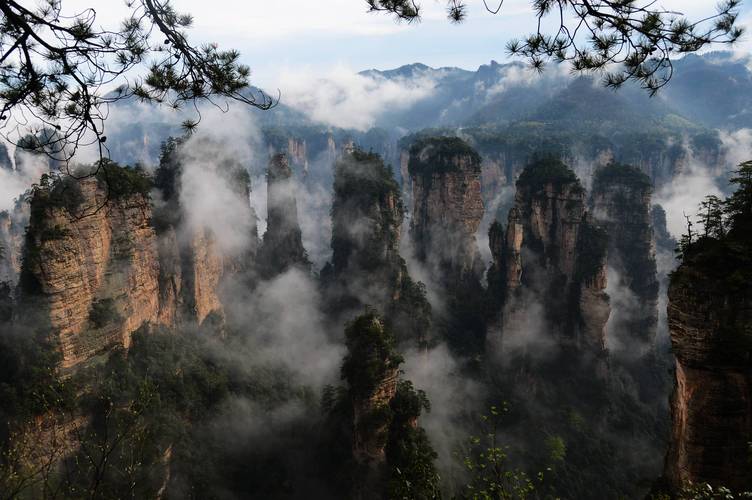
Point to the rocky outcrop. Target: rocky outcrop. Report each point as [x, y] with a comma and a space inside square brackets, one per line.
[384, 411]
[371, 370]
[447, 207]
[663, 239]
[100, 261]
[552, 255]
[710, 322]
[91, 264]
[193, 265]
[282, 246]
[621, 203]
[298, 153]
[366, 266]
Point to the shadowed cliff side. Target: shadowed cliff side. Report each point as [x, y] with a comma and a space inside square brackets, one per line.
[282, 247]
[710, 321]
[621, 203]
[552, 259]
[390, 454]
[447, 209]
[366, 267]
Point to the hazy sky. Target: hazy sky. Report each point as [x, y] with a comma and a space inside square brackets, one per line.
[275, 36]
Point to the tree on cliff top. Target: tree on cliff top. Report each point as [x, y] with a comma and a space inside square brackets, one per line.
[739, 204]
[621, 39]
[57, 71]
[724, 250]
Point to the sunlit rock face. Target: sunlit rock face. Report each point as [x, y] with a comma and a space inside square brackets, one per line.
[101, 259]
[282, 246]
[552, 256]
[447, 207]
[92, 265]
[712, 403]
[621, 203]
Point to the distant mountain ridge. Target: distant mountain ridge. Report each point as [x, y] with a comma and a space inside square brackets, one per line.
[711, 90]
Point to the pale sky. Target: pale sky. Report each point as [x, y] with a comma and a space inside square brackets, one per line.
[275, 36]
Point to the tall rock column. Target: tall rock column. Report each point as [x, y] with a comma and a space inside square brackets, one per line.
[393, 455]
[621, 203]
[366, 267]
[554, 257]
[193, 262]
[282, 247]
[447, 207]
[13, 225]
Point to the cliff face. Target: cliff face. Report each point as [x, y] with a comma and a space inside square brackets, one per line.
[193, 265]
[366, 266]
[282, 247]
[710, 324]
[97, 276]
[554, 255]
[5, 163]
[100, 261]
[621, 203]
[447, 207]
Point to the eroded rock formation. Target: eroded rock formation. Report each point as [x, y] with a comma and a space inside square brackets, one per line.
[447, 207]
[12, 228]
[99, 261]
[193, 264]
[383, 412]
[552, 256]
[92, 264]
[282, 246]
[366, 266]
[621, 203]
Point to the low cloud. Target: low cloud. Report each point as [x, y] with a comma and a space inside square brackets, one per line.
[684, 193]
[209, 198]
[343, 98]
[14, 183]
[286, 327]
[455, 400]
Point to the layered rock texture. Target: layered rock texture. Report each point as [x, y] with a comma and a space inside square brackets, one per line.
[553, 256]
[282, 246]
[366, 266]
[447, 207]
[91, 264]
[621, 203]
[99, 261]
[710, 322]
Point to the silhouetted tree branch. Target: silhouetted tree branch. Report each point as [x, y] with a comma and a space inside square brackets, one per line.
[620, 39]
[60, 73]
